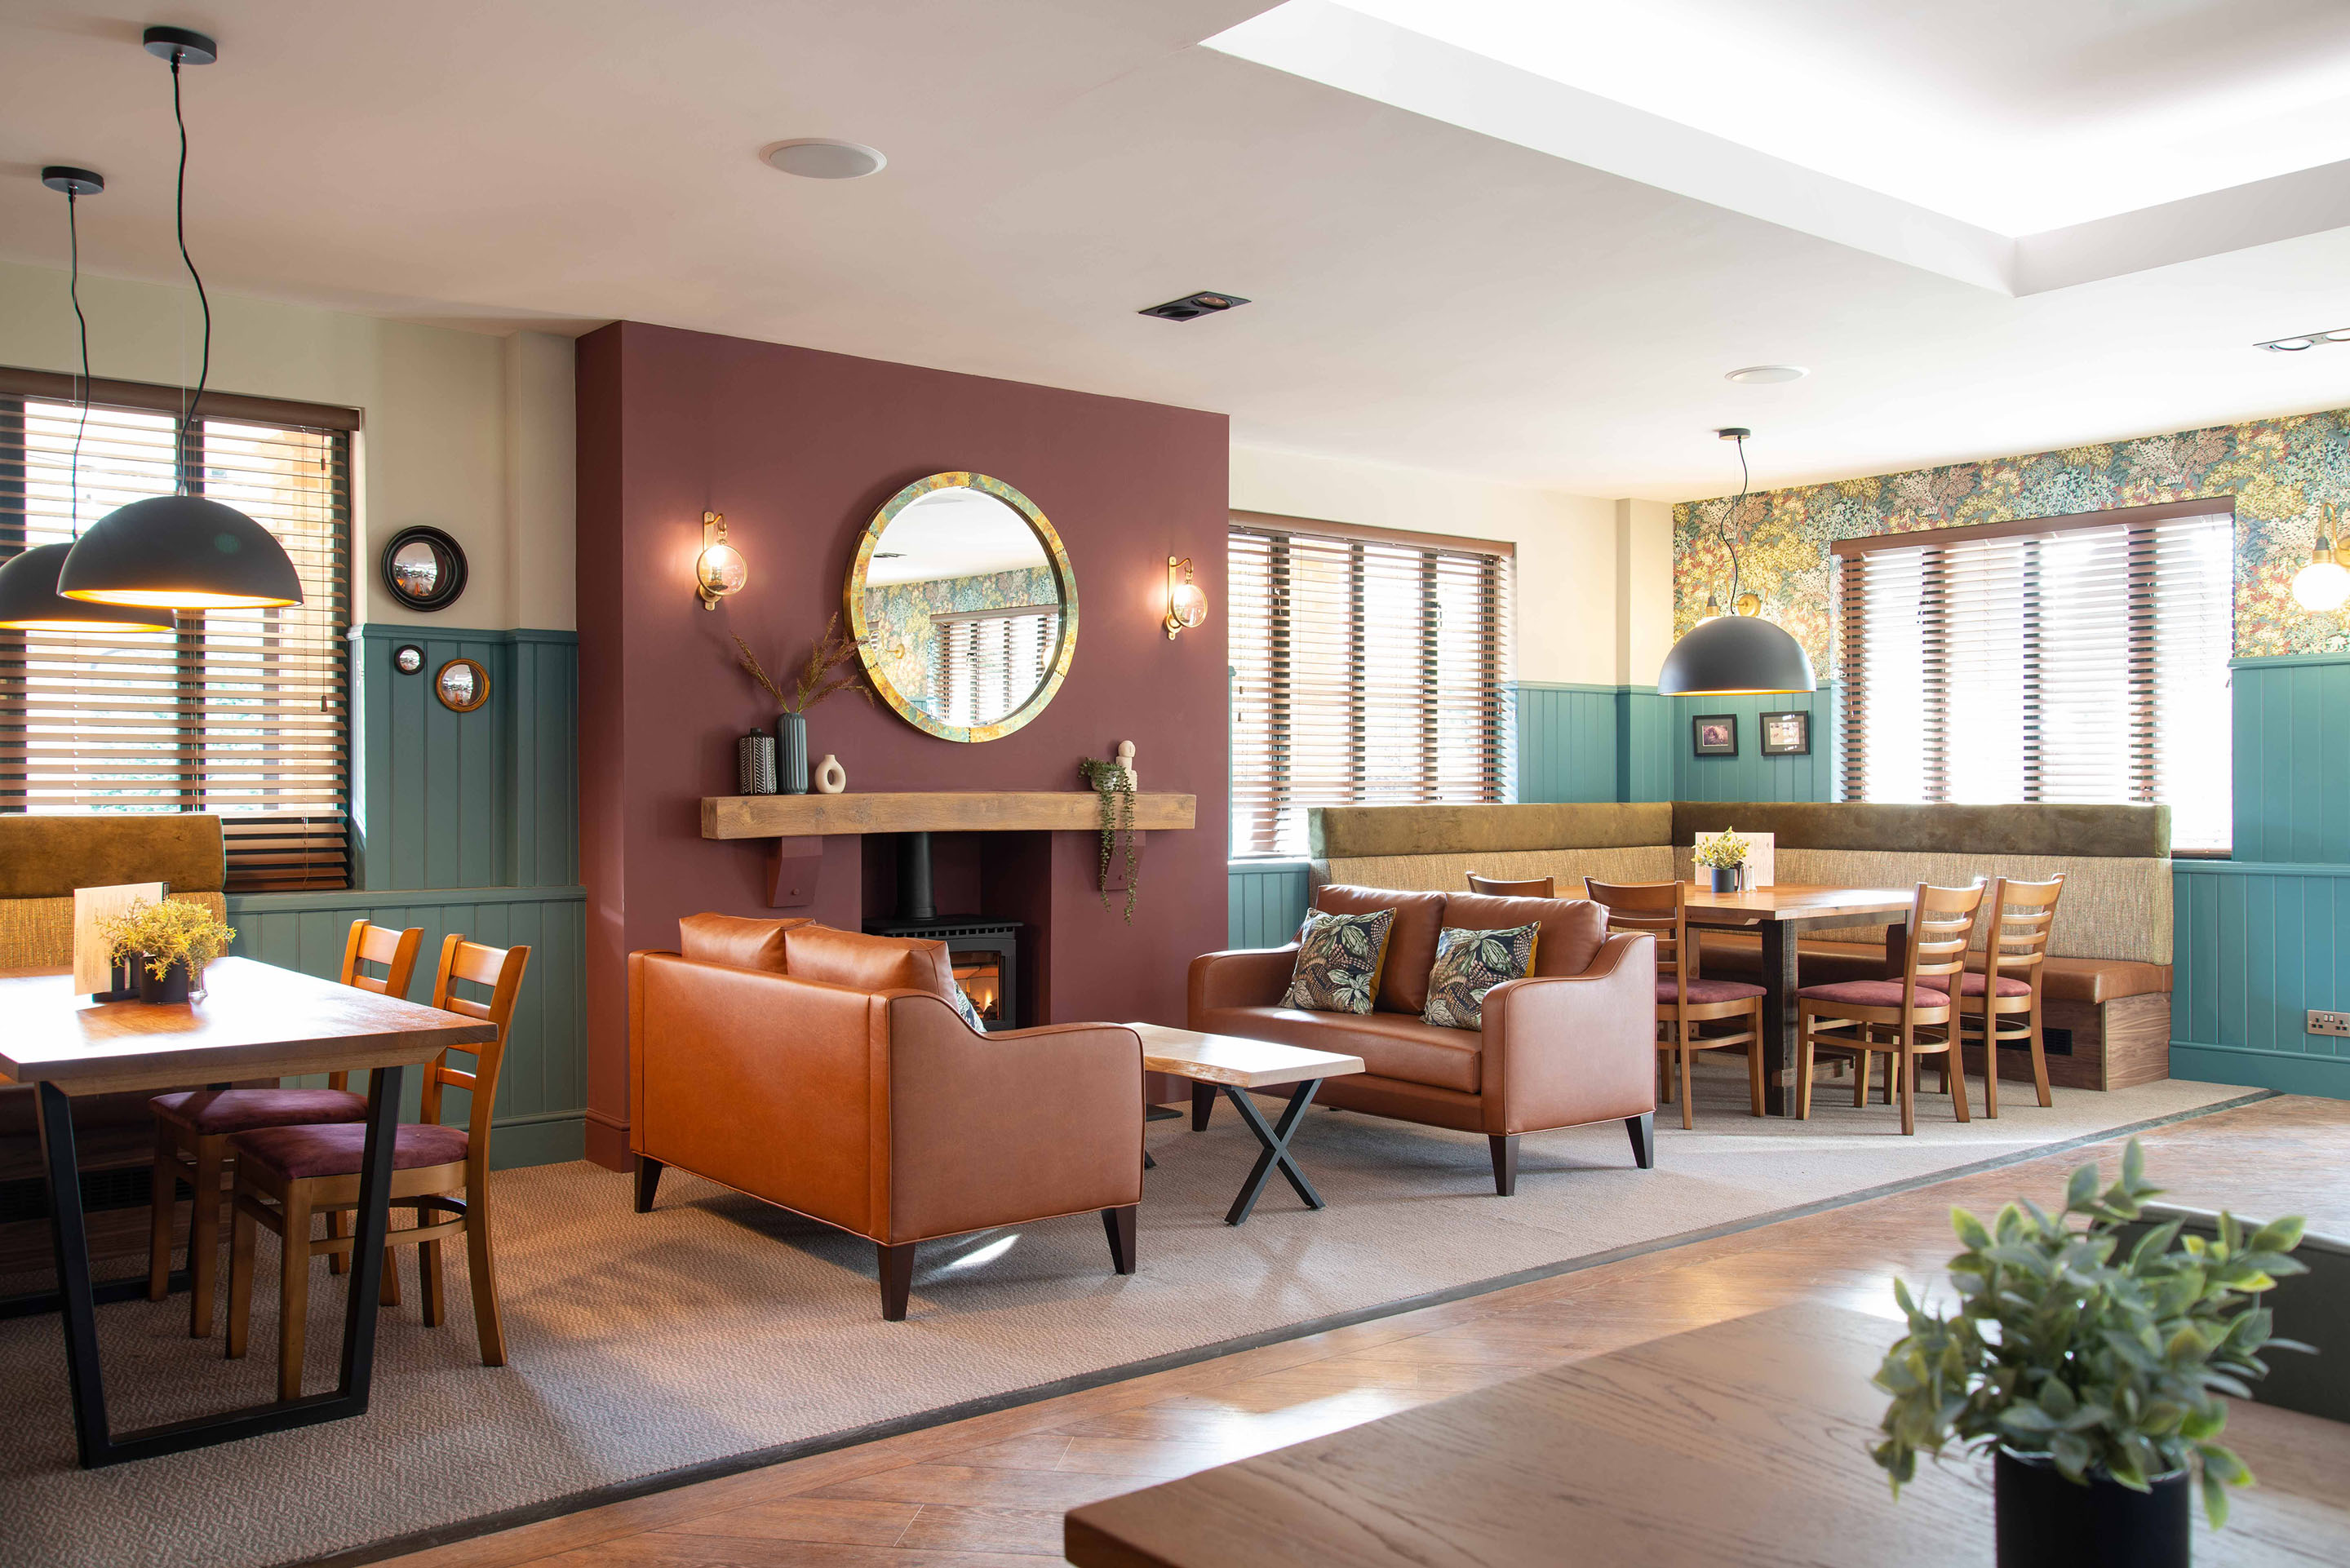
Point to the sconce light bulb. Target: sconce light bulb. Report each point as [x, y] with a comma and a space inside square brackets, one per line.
[1187, 607]
[719, 569]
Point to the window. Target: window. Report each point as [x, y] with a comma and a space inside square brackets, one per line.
[2063, 659]
[242, 712]
[1368, 668]
[985, 664]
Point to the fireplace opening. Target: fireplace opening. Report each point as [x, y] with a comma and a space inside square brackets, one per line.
[983, 953]
[979, 976]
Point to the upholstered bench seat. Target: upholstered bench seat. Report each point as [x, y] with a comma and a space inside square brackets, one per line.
[1822, 962]
[1392, 1045]
[297, 1154]
[207, 1112]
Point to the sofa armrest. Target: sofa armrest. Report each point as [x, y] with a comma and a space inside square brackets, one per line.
[1569, 1049]
[1004, 1128]
[1240, 977]
[756, 1080]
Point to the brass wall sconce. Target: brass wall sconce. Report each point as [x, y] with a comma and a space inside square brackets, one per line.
[719, 570]
[1187, 607]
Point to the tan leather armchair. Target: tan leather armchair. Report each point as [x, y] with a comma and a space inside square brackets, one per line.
[1573, 1043]
[824, 1071]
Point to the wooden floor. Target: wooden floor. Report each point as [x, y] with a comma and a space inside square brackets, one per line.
[992, 1489]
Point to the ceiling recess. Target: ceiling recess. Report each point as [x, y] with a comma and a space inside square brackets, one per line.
[1191, 306]
[822, 158]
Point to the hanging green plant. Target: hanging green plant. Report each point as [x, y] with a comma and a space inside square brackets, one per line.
[1113, 785]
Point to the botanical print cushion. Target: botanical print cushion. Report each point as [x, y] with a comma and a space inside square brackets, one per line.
[1470, 963]
[1338, 959]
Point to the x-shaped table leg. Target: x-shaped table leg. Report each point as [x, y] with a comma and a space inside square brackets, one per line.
[1275, 1140]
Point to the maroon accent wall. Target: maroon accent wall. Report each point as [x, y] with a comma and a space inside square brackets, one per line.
[798, 449]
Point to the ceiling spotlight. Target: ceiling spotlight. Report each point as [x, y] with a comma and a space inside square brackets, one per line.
[1766, 375]
[1193, 306]
[2306, 340]
[822, 158]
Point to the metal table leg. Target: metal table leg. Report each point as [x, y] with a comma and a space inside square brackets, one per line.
[1275, 1140]
[98, 1445]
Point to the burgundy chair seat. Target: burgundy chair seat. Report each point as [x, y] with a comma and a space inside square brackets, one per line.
[1872, 994]
[1971, 984]
[300, 1153]
[1704, 991]
[210, 1112]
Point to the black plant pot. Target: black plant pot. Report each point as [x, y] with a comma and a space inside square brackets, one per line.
[171, 988]
[1725, 877]
[791, 753]
[2046, 1521]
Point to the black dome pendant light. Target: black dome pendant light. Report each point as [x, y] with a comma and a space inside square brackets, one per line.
[1739, 654]
[29, 600]
[182, 551]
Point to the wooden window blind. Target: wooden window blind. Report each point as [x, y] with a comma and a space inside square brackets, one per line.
[2063, 660]
[1368, 668]
[986, 664]
[242, 712]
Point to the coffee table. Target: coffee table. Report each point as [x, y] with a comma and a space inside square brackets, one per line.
[1235, 1065]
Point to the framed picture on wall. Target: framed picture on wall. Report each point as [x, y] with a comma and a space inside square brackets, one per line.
[1714, 735]
[1787, 734]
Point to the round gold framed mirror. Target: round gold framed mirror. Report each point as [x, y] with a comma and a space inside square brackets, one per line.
[963, 607]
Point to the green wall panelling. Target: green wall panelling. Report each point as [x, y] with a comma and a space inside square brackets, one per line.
[484, 799]
[1751, 775]
[1568, 742]
[2291, 770]
[1268, 901]
[1644, 737]
[542, 1088]
[2255, 946]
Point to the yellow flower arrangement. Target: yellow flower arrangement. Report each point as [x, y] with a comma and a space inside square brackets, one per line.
[1725, 849]
[165, 934]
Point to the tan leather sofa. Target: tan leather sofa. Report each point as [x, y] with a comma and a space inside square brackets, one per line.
[825, 1072]
[1573, 1043]
[2108, 986]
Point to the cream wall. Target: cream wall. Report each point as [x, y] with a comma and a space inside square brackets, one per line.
[467, 431]
[1593, 577]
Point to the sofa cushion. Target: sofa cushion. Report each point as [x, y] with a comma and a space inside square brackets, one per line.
[1338, 958]
[1572, 929]
[1411, 940]
[731, 940]
[863, 962]
[1401, 1048]
[1469, 963]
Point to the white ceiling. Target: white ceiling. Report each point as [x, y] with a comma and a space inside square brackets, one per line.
[953, 533]
[1425, 294]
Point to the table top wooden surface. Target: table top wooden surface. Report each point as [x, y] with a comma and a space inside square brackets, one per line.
[1795, 902]
[1744, 1442]
[255, 1020]
[1229, 1059]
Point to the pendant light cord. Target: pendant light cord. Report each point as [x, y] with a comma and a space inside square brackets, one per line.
[180, 223]
[1745, 482]
[73, 291]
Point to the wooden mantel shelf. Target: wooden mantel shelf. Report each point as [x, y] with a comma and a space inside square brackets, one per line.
[930, 811]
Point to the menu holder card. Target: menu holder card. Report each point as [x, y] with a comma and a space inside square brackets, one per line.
[95, 974]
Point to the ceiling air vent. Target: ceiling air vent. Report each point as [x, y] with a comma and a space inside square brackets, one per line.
[1193, 305]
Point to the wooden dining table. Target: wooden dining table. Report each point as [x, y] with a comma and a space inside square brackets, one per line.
[252, 1021]
[1781, 914]
[1739, 1443]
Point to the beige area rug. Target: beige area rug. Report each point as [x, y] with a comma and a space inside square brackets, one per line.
[717, 1327]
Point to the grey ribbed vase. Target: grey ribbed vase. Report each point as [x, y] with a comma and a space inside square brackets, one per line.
[791, 753]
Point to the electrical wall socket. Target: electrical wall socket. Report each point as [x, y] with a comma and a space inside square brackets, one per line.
[2329, 1023]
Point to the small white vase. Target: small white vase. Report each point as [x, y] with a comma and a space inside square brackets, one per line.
[831, 778]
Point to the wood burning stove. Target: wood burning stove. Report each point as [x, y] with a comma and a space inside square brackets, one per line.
[985, 952]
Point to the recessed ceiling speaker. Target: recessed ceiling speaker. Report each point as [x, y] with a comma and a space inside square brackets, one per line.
[1193, 306]
[822, 158]
[1766, 375]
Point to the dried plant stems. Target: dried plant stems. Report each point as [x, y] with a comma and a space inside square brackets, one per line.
[819, 677]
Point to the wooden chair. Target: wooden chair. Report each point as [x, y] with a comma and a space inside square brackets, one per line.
[1869, 1016]
[2022, 914]
[1684, 998]
[192, 1128]
[1521, 888]
[283, 1175]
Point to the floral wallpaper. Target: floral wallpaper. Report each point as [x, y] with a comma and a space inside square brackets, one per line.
[897, 617]
[2279, 470]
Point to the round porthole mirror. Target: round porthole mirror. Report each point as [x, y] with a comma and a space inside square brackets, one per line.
[423, 568]
[462, 685]
[963, 607]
